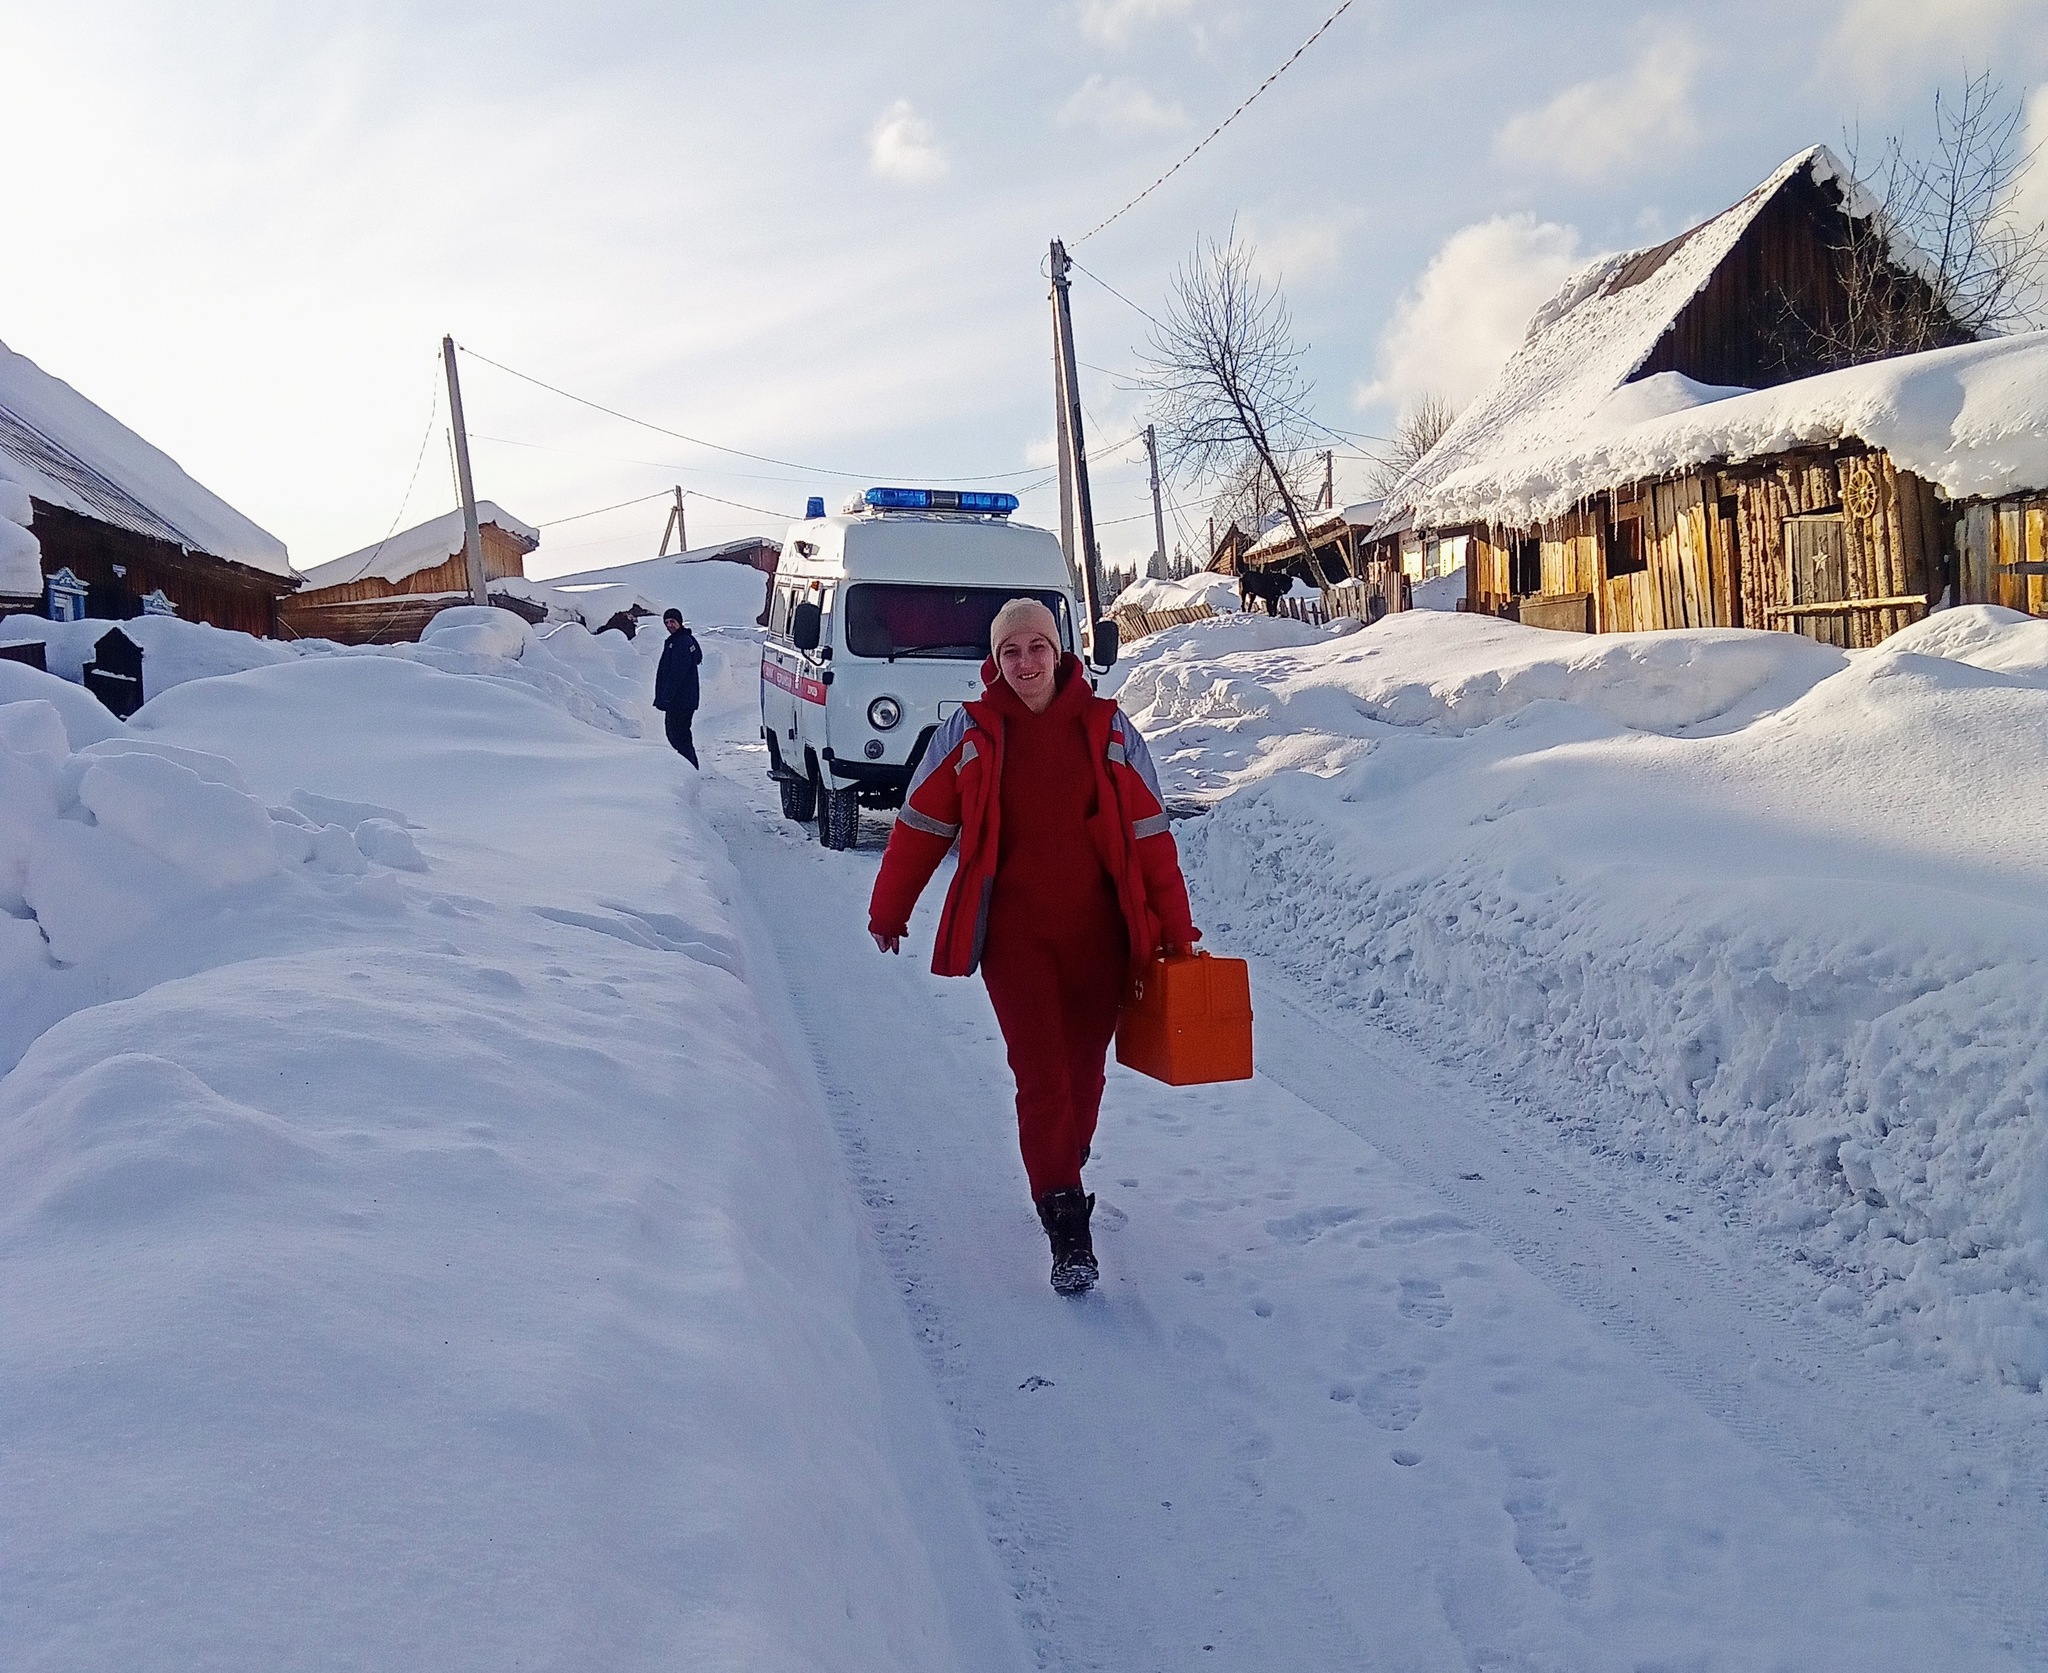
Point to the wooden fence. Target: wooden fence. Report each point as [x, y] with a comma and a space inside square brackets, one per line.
[1133, 624]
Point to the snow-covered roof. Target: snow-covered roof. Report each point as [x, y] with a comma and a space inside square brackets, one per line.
[1972, 419]
[423, 546]
[1280, 537]
[21, 570]
[67, 452]
[1582, 347]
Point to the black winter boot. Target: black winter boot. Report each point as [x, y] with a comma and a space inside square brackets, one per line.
[1064, 1214]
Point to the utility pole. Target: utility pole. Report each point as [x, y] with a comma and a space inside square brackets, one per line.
[675, 521]
[1074, 455]
[472, 536]
[1329, 499]
[1157, 568]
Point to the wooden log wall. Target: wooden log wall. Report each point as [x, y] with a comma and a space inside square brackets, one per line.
[1894, 535]
[2002, 555]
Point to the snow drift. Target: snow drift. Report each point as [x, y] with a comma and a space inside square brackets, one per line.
[1747, 907]
[418, 1249]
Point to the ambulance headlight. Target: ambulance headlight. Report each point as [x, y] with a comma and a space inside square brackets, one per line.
[884, 713]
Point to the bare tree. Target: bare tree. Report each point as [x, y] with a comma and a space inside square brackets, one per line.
[1224, 373]
[1937, 254]
[1244, 490]
[1420, 428]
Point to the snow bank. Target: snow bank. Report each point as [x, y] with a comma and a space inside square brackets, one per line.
[422, 1256]
[173, 651]
[1218, 592]
[1441, 592]
[1763, 912]
[709, 591]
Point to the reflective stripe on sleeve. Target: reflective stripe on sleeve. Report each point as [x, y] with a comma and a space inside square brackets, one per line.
[1157, 825]
[909, 815]
[967, 753]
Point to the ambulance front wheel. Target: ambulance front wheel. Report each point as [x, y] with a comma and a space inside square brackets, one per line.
[838, 817]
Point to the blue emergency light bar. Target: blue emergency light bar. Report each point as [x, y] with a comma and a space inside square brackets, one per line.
[941, 499]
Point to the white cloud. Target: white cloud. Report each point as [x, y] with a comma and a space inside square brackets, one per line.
[1297, 252]
[902, 147]
[1114, 22]
[1882, 42]
[1471, 307]
[1119, 108]
[1606, 126]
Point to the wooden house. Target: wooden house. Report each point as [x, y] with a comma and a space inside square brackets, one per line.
[1548, 476]
[122, 519]
[388, 592]
[1842, 507]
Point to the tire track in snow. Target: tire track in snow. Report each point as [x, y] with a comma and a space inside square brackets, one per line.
[1903, 1452]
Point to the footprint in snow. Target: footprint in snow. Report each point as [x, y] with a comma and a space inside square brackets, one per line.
[1393, 1399]
[1423, 1301]
[1545, 1543]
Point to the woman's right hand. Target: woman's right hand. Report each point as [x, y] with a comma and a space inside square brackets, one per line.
[887, 943]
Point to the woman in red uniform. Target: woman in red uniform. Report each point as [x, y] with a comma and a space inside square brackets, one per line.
[1068, 882]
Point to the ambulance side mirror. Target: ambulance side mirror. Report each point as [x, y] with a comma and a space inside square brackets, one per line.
[1103, 645]
[806, 622]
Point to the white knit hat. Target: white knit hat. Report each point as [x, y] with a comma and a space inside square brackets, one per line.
[1022, 616]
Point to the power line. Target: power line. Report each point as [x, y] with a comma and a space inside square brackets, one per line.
[578, 516]
[1213, 132]
[720, 447]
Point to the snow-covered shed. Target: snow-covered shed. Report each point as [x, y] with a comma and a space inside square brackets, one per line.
[390, 591]
[1640, 336]
[1355, 564]
[86, 502]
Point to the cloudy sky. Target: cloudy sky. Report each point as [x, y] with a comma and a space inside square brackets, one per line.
[814, 232]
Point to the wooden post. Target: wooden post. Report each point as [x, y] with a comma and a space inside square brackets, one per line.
[1329, 495]
[675, 521]
[472, 536]
[1075, 452]
[1157, 569]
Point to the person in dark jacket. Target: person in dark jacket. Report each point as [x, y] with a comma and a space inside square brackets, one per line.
[1068, 883]
[675, 684]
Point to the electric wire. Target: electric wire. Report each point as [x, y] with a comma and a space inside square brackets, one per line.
[720, 447]
[1213, 132]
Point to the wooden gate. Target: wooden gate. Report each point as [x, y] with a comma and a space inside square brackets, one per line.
[1818, 558]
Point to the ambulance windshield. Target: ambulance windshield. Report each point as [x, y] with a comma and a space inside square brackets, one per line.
[886, 619]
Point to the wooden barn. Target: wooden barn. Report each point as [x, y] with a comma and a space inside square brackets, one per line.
[1546, 477]
[390, 591]
[1842, 507]
[119, 528]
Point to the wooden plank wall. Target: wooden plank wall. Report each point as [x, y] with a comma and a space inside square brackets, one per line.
[1993, 541]
[1894, 547]
[1714, 550]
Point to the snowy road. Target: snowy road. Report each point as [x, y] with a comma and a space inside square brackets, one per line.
[1366, 1383]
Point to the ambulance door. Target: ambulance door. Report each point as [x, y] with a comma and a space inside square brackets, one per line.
[779, 667]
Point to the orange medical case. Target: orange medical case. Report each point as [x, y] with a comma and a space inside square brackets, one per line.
[1188, 1021]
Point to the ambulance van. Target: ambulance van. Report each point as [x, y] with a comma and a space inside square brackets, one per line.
[878, 626]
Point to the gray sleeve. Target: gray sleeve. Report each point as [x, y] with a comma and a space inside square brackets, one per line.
[1138, 756]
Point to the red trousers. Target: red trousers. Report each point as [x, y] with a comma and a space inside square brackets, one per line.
[1056, 994]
